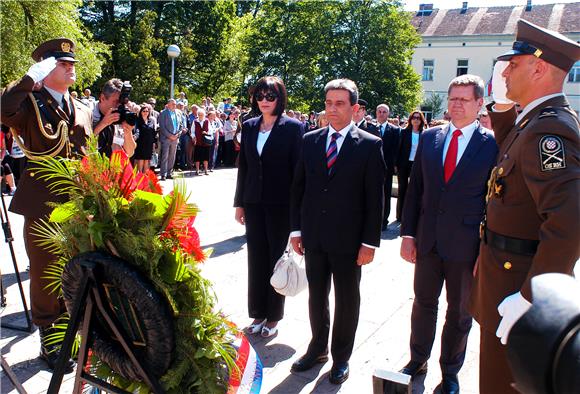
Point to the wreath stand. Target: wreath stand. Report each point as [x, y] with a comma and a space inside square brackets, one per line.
[8, 238]
[88, 301]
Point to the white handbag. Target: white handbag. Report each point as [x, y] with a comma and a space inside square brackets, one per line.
[289, 277]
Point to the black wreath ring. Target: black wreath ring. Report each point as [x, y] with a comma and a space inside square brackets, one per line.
[144, 314]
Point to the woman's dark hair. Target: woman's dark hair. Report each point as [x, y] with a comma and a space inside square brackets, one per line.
[274, 85]
[143, 107]
[423, 121]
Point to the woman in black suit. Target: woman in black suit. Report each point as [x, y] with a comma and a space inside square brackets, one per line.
[406, 155]
[146, 126]
[269, 151]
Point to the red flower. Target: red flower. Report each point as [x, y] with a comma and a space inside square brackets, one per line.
[130, 180]
[188, 238]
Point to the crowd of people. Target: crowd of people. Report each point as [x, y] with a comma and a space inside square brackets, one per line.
[321, 183]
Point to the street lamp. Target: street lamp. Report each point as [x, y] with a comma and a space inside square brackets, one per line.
[173, 51]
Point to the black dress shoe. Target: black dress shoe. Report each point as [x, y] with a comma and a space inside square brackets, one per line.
[338, 373]
[308, 361]
[50, 352]
[414, 368]
[449, 385]
[169, 176]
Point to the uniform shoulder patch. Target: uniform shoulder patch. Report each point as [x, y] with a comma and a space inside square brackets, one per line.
[552, 155]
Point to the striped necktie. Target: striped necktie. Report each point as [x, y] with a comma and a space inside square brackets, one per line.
[332, 152]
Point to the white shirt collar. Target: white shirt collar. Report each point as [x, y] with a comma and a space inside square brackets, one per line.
[343, 132]
[467, 131]
[534, 104]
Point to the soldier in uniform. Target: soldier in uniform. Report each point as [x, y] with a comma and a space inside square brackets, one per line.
[532, 223]
[39, 109]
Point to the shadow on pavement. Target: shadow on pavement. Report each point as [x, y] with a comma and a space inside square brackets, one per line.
[295, 382]
[270, 354]
[226, 246]
[10, 279]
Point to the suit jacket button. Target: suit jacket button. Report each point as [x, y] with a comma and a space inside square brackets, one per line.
[441, 212]
[442, 189]
[325, 190]
[507, 265]
[324, 211]
[500, 171]
[71, 132]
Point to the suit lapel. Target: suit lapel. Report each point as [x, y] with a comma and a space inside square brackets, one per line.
[253, 139]
[320, 151]
[52, 106]
[439, 145]
[475, 143]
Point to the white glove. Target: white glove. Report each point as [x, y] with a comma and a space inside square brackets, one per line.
[511, 308]
[40, 70]
[498, 85]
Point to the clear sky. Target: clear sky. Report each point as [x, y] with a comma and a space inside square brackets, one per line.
[413, 5]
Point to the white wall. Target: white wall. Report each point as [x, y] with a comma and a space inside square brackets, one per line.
[480, 51]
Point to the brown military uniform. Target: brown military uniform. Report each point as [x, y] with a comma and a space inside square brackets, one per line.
[19, 112]
[533, 216]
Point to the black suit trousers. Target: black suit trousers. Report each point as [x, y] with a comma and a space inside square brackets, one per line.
[388, 193]
[403, 182]
[431, 271]
[267, 231]
[345, 274]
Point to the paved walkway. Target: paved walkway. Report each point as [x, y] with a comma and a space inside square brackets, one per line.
[383, 331]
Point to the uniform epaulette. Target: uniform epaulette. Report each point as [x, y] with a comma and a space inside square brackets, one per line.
[548, 112]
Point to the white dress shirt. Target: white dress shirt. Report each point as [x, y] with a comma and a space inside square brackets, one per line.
[339, 141]
[462, 140]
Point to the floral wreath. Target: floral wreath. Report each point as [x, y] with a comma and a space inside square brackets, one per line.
[115, 209]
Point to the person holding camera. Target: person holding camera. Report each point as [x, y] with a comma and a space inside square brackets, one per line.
[106, 118]
[38, 108]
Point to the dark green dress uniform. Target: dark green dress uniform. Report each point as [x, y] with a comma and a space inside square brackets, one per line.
[533, 213]
[45, 128]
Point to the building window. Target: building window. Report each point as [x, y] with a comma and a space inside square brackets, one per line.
[462, 65]
[574, 75]
[428, 66]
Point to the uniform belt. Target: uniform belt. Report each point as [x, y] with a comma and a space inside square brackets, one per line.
[526, 247]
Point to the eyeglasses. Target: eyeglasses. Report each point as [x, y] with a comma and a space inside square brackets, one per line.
[268, 96]
[145, 110]
[415, 117]
[460, 100]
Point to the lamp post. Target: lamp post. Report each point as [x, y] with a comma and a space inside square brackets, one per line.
[173, 51]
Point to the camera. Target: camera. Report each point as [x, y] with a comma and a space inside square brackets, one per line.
[124, 114]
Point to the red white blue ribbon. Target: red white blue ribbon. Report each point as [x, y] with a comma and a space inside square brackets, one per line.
[248, 380]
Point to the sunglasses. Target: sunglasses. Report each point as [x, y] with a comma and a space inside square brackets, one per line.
[145, 110]
[268, 96]
[416, 117]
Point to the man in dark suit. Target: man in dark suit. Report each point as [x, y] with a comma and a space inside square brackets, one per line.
[39, 110]
[440, 227]
[359, 118]
[390, 136]
[336, 215]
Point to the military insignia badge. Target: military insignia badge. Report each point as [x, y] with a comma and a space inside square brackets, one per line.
[65, 46]
[552, 153]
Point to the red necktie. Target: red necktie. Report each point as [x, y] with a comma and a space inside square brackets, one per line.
[451, 158]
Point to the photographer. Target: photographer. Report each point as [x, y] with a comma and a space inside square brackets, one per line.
[106, 116]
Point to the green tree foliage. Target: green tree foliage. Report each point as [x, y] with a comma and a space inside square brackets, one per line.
[435, 102]
[308, 43]
[26, 24]
[208, 33]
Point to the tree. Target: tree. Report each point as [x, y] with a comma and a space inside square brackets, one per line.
[26, 24]
[308, 43]
[435, 103]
